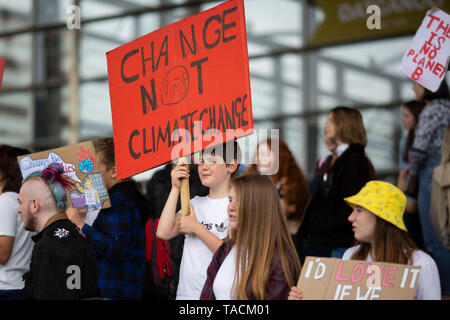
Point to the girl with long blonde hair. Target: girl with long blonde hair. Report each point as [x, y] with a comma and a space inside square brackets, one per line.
[259, 254]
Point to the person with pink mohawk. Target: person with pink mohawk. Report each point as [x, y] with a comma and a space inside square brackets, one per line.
[63, 264]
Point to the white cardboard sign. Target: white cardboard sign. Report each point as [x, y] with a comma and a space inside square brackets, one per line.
[427, 57]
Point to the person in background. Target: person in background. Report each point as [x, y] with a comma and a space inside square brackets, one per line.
[258, 260]
[293, 190]
[324, 163]
[15, 242]
[63, 264]
[381, 235]
[410, 115]
[324, 231]
[118, 233]
[424, 155]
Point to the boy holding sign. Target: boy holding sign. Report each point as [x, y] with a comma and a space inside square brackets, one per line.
[207, 225]
[118, 233]
[377, 224]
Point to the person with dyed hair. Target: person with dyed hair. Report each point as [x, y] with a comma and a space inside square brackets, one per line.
[63, 264]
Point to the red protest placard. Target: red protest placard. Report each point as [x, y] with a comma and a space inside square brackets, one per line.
[2, 67]
[180, 89]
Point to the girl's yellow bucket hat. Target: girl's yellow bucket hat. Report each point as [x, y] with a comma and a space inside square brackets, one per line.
[382, 199]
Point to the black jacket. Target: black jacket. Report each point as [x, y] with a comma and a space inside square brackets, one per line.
[158, 190]
[63, 264]
[326, 217]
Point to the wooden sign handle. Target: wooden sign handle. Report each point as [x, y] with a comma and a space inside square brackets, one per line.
[185, 196]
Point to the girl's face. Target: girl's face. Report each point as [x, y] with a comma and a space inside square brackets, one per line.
[233, 209]
[419, 91]
[407, 119]
[363, 224]
[330, 128]
[330, 144]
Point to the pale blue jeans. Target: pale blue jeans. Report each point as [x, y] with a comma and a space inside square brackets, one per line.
[431, 241]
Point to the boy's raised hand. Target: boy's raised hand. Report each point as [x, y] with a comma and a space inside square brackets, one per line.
[179, 172]
[189, 224]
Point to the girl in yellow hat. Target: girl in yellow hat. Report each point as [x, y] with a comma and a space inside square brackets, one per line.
[381, 235]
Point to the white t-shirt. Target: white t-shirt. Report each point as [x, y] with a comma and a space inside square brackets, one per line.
[212, 213]
[428, 286]
[223, 283]
[11, 225]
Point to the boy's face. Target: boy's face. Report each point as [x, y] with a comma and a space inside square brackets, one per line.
[213, 171]
[109, 175]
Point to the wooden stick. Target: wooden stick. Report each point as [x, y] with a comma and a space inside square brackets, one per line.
[185, 196]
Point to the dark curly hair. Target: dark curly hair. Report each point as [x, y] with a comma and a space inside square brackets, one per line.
[295, 188]
[10, 173]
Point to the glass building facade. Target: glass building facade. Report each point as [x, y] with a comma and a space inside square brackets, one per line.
[55, 85]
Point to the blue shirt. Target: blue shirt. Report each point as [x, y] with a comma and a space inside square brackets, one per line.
[118, 238]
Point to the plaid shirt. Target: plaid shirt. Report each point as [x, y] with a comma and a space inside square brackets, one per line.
[277, 287]
[118, 238]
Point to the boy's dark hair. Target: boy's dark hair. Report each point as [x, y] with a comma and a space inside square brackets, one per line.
[9, 167]
[229, 151]
[105, 151]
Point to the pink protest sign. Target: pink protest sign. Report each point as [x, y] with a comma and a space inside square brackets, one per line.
[427, 58]
[336, 279]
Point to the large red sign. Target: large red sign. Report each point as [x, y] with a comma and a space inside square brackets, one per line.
[180, 89]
